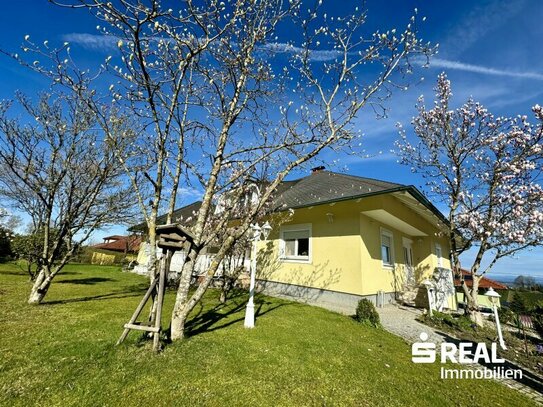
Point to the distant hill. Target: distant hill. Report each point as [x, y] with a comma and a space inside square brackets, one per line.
[509, 279]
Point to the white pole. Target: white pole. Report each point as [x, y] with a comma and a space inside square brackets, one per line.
[250, 309]
[498, 327]
[430, 301]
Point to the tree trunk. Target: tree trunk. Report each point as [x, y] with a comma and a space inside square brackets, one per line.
[31, 274]
[152, 260]
[226, 286]
[183, 305]
[472, 308]
[40, 288]
[152, 267]
[178, 321]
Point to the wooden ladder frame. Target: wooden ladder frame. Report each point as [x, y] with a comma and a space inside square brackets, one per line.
[171, 238]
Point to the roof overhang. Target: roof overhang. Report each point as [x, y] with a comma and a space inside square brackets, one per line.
[408, 195]
[389, 219]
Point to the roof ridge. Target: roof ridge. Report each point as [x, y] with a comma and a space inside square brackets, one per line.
[491, 280]
[186, 206]
[358, 177]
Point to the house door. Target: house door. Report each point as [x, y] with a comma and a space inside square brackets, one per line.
[408, 261]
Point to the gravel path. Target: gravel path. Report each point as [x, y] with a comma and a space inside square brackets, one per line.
[401, 322]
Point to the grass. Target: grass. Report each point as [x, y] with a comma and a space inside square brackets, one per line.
[531, 298]
[63, 353]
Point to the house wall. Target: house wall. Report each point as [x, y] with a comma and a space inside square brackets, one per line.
[346, 254]
[109, 257]
[482, 299]
[375, 276]
[335, 252]
[178, 260]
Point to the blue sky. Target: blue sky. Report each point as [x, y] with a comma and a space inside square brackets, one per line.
[491, 50]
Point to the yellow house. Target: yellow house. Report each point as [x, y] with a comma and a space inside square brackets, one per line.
[338, 238]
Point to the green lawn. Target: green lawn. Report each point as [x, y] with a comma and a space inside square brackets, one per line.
[63, 353]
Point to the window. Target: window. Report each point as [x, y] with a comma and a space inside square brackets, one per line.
[296, 243]
[387, 252]
[439, 255]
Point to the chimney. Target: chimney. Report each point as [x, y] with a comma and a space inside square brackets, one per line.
[317, 169]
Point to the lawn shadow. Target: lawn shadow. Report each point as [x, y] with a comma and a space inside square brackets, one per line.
[210, 320]
[86, 281]
[131, 291]
[14, 273]
[24, 273]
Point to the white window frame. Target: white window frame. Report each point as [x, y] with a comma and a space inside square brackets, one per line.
[302, 227]
[390, 235]
[408, 242]
[439, 254]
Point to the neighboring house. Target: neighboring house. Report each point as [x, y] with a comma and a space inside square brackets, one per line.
[121, 244]
[184, 216]
[338, 238]
[484, 284]
[115, 249]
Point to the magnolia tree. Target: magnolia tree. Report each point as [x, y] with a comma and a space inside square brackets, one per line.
[487, 170]
[223, 103]
[60, 173]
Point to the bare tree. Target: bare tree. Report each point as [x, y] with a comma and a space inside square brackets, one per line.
[487, 170]
[524, 282]
[8, 223]
[151, 79]
[223, 103]
[315, 104]
[8, 220]
[29, 249]
[61, 173]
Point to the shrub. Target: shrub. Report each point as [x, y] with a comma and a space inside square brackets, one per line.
[366, 313]
[518, 304]
[506, 315]
[5, 243]
[447, 321]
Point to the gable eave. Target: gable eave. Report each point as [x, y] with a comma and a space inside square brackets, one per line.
[411, 189]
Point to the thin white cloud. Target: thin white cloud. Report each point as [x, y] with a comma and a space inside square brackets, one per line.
[483, 18]
[314, 55]
[92, 41]
[189, 192]
[461, 66]
[105, 42]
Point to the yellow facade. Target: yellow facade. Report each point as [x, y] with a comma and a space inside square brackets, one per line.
[109, 258]
[345, 253]
[482, 300]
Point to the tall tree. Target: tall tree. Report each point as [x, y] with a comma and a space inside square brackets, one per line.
[150, 78]
[29, 249]
[524, 282]
[60, 172]
[8, 223]
[226, 103]
[487, 170]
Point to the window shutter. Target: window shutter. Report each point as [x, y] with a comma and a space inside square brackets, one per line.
[296, 234]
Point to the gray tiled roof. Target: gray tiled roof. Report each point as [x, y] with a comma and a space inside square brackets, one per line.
[319, 187]
[324, 186]
[183, 213]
